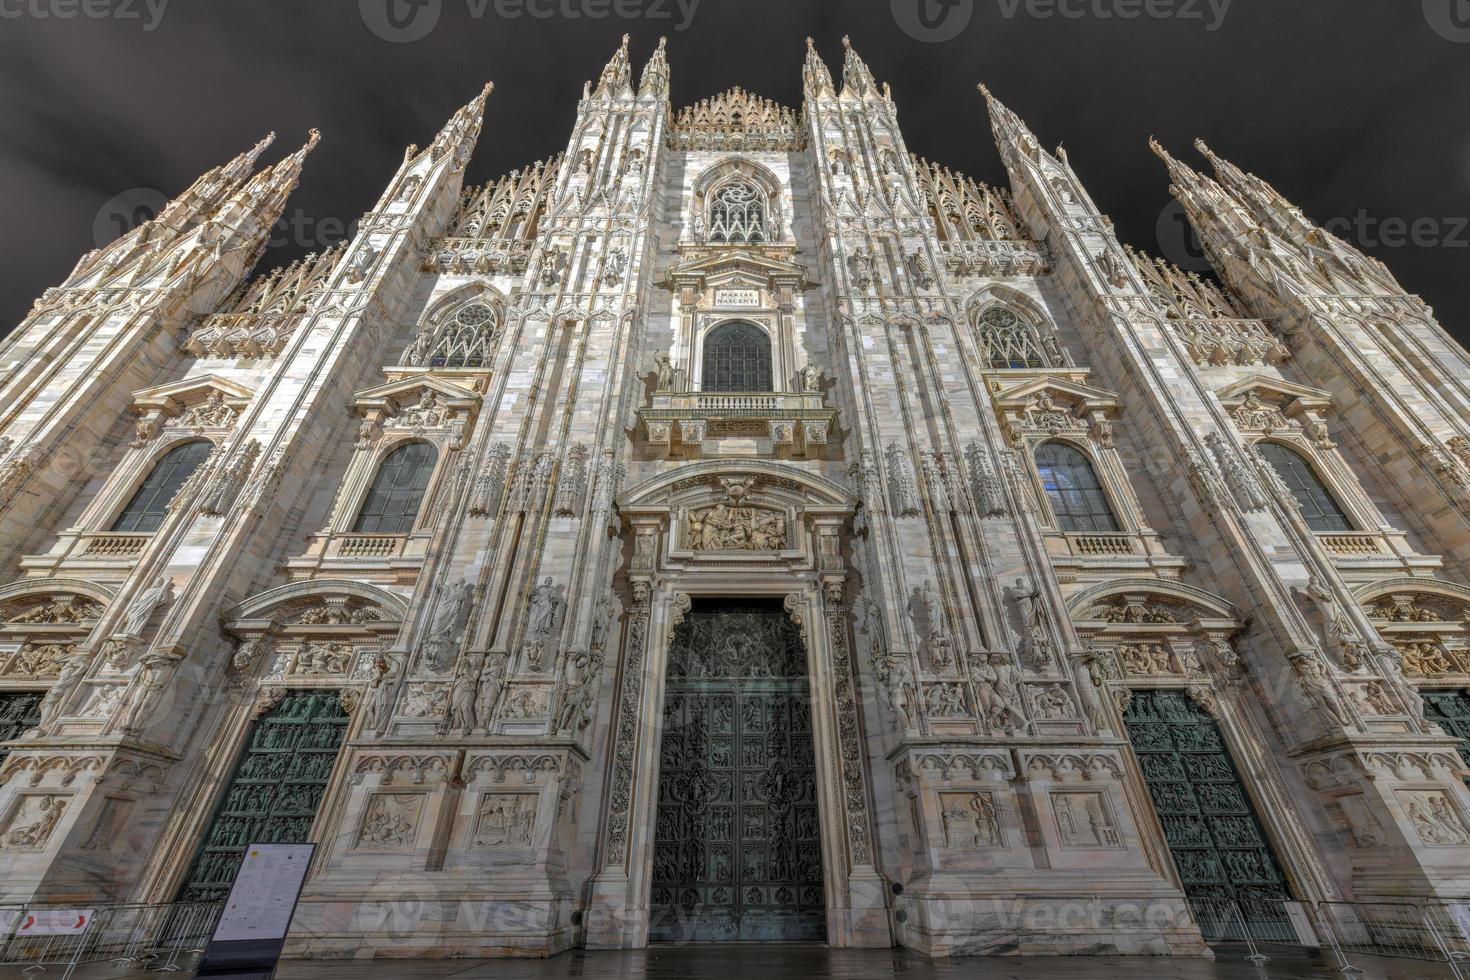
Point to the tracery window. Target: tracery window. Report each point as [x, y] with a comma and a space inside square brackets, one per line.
[737, 214]
[1319, 508]
[1008, 341]
[737, 357]
[149, 506]
[1073, 490]
[397, 493]
[466, 339]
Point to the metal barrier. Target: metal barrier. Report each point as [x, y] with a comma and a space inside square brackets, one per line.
[136, 937]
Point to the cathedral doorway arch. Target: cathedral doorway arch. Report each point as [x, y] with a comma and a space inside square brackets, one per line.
[771, 536]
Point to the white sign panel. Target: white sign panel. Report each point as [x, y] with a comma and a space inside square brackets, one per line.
[48, 922]
[264, 894]
[737, 297]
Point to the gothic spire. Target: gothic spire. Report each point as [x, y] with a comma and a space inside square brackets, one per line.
[1012, 135]
[244, 165]
[856, 78]
[617, 77]
[463, 128]
[655, 80]
[815, 75]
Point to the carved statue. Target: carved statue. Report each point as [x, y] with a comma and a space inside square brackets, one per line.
[1032, 610]
[462, 695]
[155, 672]
[72, 669]
[161, 592]
[445, 626]
[997, 692]
[1318, 688]
[665, 373]
[380, 689]
[492, 679]
[811, 378]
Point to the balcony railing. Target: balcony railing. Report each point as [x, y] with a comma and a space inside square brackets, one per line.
[1352, 544]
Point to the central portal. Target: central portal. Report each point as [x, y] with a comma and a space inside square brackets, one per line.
[737, 839]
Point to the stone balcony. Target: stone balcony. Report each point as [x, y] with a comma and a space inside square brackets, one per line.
[774, 423]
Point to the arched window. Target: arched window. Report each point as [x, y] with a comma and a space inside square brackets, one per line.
[737, 357]
[737, 213]
[392, 505]
[1007, 341]
[1071, 485]
[464, 340]
[149, 506]
[1319, 508]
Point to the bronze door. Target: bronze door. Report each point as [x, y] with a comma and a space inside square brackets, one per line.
[737, 853]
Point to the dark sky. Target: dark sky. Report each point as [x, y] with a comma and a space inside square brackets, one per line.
[1355, 109]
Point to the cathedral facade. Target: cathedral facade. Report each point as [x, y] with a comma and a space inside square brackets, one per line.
[735, 528]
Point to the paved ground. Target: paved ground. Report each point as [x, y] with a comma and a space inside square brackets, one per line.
[780, 962]
[793, 962]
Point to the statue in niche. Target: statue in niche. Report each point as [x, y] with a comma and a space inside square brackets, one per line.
[811, 379]
[546, 607]
[726, 528]
[138, 614]
[665, 373]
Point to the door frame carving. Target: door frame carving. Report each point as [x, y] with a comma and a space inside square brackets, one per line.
[809, 575]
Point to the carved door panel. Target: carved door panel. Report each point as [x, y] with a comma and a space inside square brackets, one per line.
[274, 793]
[737, 853]
[1450, 710]
[19, 712]
[1217, 842]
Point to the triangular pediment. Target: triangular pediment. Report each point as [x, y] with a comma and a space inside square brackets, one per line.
[1276, 390]
[175, 396]
[756, 267]
[1067, 390]
[393, 395]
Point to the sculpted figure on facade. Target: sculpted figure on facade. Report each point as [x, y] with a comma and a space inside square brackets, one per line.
[445, 627]
[543, 623]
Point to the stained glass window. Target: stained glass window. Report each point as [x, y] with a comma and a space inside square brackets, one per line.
[1077, 498]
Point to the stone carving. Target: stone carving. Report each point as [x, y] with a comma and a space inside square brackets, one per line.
[970, 820]
[921, 268]
[903, 484]
[1035, 631]
[997, 693]
[424, 700]
[160, 593]
[489, 484]
[665, 373]
[1425, 658]
[945, 701]
[926, 611]
[1084, 820]
[34, 822]
[462, 718]
[1131, 609]
[448, 622]
[506, 820]
[543, 624]
[527, 702]
[487, 695]
[323, 658]
[227, 483]
[1053, 703]
[1342, 639]
[573, 483]
[1317, 688]
[1146, 658]
[155, 672]
[38, 659]
[212, 413]
[1435, 817]
[71, 672]
[739, 528]
[390, 821]
[61, 610]
[1254, 413]
[811, 379]
[1242, 482]
[579, 692]
[985, 481]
